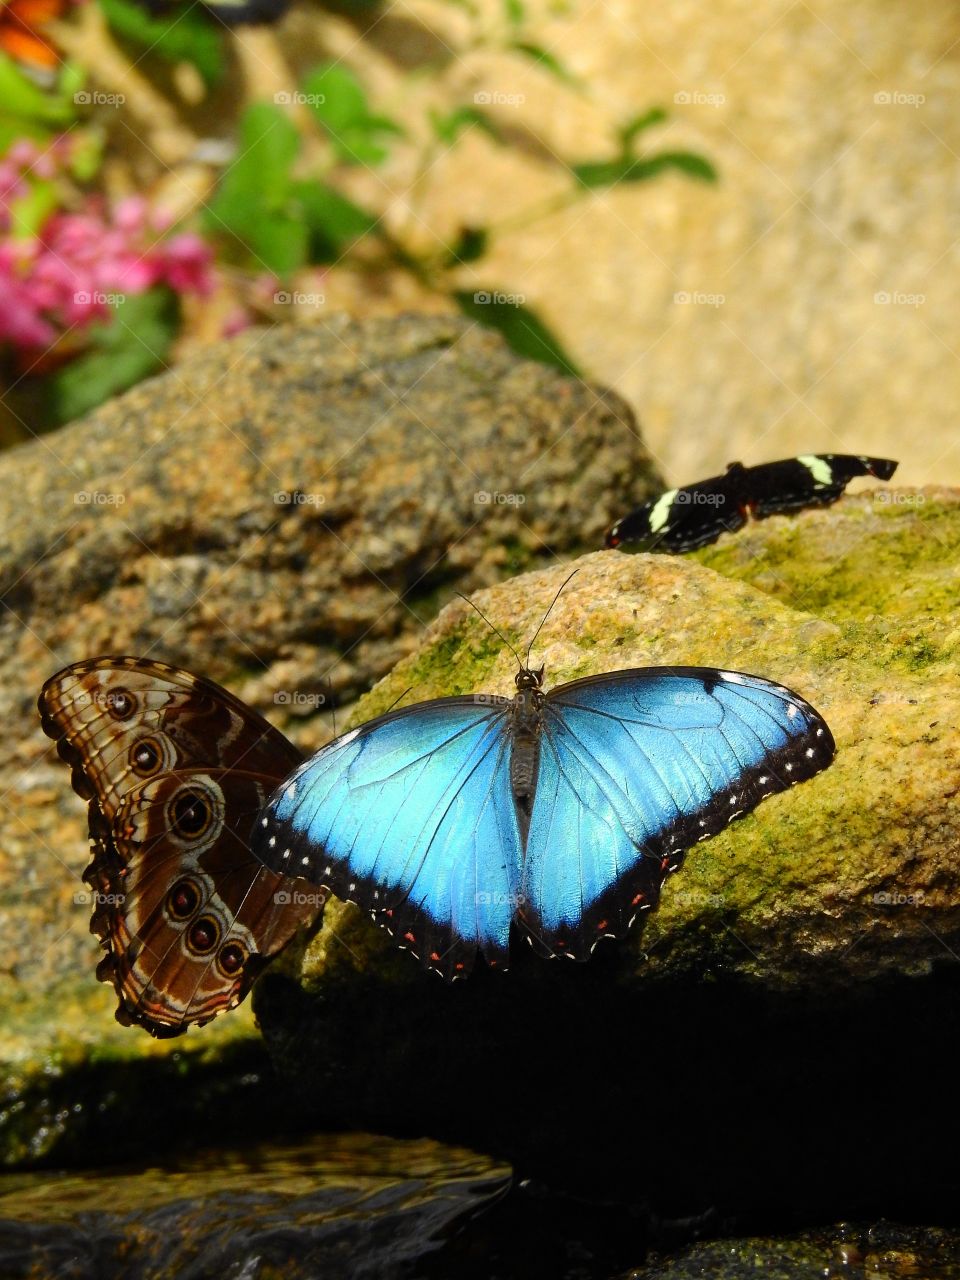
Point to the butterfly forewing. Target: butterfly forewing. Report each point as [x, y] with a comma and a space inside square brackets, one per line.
[176, 770]
[411, 817]
[637, 766]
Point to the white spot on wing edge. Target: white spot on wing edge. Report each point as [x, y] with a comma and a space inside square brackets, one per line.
[821, 471]
[660, 512]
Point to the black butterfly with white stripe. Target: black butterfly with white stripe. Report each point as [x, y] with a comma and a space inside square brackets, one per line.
[695, 515]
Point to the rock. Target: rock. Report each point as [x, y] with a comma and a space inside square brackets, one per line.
[303, 496]
[884, 1248]
[151, 527]
[352, 1204]
[828, 912]
[822, 884]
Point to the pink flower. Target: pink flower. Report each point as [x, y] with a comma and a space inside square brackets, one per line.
[237, 320]
[20, 323]
[130, 215]
[23, 153]
[187, 262]
[73, 273]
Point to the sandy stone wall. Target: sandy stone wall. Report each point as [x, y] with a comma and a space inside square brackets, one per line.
[820, 273]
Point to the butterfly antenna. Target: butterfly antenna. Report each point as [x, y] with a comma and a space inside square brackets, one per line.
[495, 630]
[547, 615]
[400, 698]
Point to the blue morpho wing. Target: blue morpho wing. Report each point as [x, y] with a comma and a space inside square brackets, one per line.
[411, 816]
[635, 767]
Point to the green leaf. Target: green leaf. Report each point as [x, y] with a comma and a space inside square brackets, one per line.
[86, 154]
[630, 130]
[281, 243]
[545, 59]
[358, 146]
[132, 344]
[449, 127]
[255, 200]
[30, 212]
[182, 35]
[607, 173]
[72, 79]
[514, 12]
[269, 144]
[332, 220]
[11, 130]
[20, 97]
[688, 162]
[522, 329]
[340, 104]
[471, 244]
[336, 95]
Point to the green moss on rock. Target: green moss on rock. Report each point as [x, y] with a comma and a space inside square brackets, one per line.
[854, 873]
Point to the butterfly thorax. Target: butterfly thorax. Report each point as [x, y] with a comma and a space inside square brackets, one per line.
[526, 712]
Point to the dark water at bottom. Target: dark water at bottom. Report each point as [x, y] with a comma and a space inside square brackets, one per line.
[358, 1205]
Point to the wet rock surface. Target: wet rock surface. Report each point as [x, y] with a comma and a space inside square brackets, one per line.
[352, 1205]
[844, 1252]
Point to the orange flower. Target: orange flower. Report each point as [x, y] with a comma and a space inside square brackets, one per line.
[21, 23]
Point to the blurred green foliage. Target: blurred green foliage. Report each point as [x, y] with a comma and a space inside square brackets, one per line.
[134, 344]
[281, 205]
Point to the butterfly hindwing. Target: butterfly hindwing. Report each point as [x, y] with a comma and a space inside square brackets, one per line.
[411, 817]
[175, 770]
[637, 766]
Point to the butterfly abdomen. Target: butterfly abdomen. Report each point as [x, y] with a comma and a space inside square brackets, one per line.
[526, 720]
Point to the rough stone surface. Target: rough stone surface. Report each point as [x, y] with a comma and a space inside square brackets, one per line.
[389, 429]
[407, 454]
[882, 1249]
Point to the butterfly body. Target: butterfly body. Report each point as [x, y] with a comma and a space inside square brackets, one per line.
[559, 812]
[175, 770]
[526, 728]
[695, 515]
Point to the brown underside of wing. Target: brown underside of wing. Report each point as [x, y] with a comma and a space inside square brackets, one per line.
[175, 770]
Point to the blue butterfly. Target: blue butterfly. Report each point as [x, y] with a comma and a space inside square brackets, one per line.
[561, 812]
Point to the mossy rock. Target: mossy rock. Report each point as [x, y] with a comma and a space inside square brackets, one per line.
[853, 874]
[831, 911]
